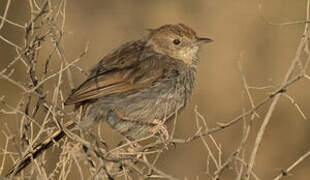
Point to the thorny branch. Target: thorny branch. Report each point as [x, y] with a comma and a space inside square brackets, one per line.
[128, 160]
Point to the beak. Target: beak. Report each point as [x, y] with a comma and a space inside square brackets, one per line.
[202, 40]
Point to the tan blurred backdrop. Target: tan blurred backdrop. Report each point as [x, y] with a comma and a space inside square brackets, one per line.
[240, 35]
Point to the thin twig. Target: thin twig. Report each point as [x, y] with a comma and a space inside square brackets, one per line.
[291, 167]
[271, 109]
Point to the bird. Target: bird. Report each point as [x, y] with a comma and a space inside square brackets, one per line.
[137, 88]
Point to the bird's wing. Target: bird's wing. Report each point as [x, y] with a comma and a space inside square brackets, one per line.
[137, 74]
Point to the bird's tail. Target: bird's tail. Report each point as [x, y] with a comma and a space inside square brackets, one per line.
[39, 149]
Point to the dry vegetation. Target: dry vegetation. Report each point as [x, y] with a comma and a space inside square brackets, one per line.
[40, 112]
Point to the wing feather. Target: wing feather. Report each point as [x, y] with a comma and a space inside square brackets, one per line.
[143, 75]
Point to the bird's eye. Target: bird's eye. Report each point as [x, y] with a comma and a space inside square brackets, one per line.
[176, 41]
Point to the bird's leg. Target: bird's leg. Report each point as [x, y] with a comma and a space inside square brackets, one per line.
[133, 147]
[159, 126]
[156, 126]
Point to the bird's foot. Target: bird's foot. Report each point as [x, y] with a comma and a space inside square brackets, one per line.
[159, 126]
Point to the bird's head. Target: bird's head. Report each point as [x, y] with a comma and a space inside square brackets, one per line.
[177, 41]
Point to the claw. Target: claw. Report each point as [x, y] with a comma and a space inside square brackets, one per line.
[159, 126]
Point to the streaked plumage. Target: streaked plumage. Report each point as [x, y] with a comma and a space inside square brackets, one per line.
[142, 81]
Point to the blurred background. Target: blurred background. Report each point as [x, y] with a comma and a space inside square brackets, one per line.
[240, 36]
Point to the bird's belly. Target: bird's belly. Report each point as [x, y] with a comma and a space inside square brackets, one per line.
[153, 103]
[132, 113]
